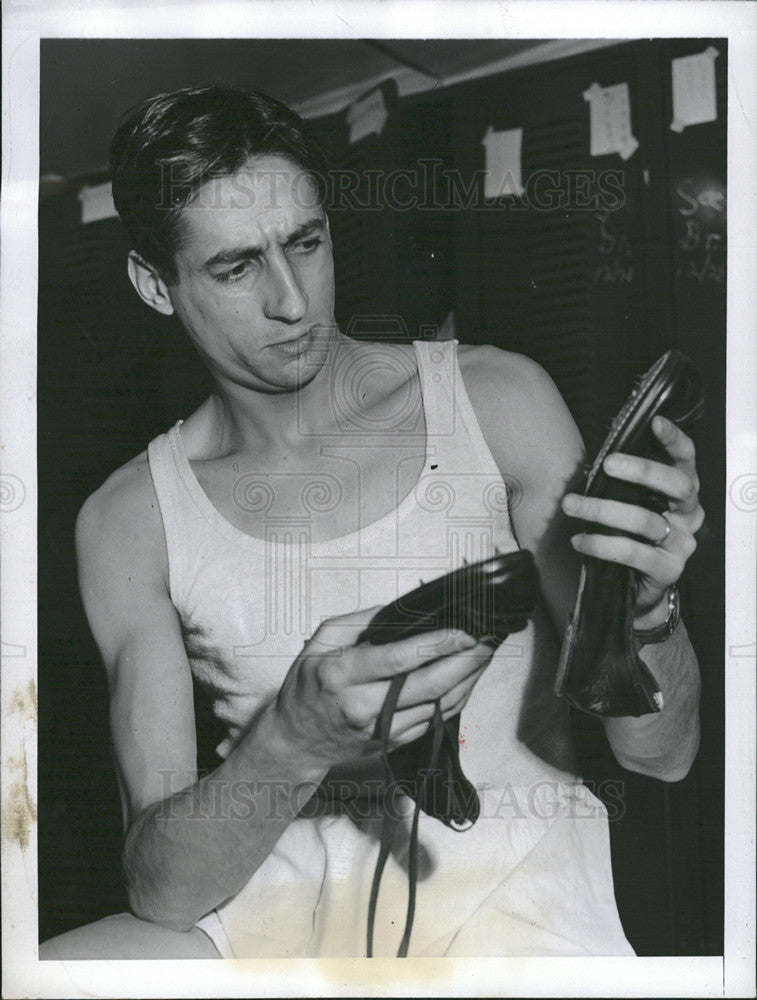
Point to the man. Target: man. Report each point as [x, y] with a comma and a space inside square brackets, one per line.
[321, 478]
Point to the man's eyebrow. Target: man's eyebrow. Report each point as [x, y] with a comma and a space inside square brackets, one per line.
[316, 225]
[235, 254]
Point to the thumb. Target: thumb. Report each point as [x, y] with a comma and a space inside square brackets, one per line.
[335, 633]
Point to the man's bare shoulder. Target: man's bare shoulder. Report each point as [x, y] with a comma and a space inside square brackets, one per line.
[124, 510]
[122, 562]
[518, 406]
[489, 370]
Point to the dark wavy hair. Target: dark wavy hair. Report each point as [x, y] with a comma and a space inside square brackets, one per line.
[172, 144]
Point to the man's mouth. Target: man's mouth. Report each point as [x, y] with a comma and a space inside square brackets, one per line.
[296, 346]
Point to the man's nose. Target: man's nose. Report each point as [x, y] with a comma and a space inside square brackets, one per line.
[285, 299]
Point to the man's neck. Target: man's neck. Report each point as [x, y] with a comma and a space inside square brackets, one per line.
[247, 419]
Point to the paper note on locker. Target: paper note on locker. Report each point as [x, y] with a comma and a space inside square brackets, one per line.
[503, 173]
[610, 120]
[97, 203]
[367, 116]
[694, 98]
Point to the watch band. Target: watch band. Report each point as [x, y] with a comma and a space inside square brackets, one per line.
[649, 636]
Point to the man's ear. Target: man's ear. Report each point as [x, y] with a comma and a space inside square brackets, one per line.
[149, 285]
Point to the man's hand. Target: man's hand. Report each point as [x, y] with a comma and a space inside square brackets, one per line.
[659, 561]
[332, 696]
[536, 444]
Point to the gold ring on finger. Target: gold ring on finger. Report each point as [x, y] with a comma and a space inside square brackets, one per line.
[667, 531]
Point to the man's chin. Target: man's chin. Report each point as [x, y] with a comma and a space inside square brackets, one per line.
[301, 360]
[300, 372]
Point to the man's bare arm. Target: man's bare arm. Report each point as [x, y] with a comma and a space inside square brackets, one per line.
[180, 860]
[534, 438]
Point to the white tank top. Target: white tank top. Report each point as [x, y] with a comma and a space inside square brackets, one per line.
[248, 604]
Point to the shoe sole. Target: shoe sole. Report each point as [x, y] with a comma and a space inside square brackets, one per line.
[671, 388]
[599, 640]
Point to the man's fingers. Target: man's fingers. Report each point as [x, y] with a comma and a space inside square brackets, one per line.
[456, 698]
[336, 640]
[411, 723]
[385, 661]
[334, 635]
[673, 482]
[440, 679]
[679, 481]
[659, 564]
[360, 700]
[443, 679]
[614, 514]
[678, 445]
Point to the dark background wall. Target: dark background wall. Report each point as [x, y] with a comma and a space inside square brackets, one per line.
[594, 295]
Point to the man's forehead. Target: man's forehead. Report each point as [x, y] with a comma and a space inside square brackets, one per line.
[264, 183]
[269, 197]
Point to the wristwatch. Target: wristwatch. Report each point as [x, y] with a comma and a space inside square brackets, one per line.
[649, 636]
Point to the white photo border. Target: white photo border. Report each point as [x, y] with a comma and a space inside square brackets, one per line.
[24, 23]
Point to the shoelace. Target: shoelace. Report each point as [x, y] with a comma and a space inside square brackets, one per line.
[387, 829]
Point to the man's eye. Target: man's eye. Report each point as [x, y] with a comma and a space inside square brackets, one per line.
[308, 246]
[235, 273]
